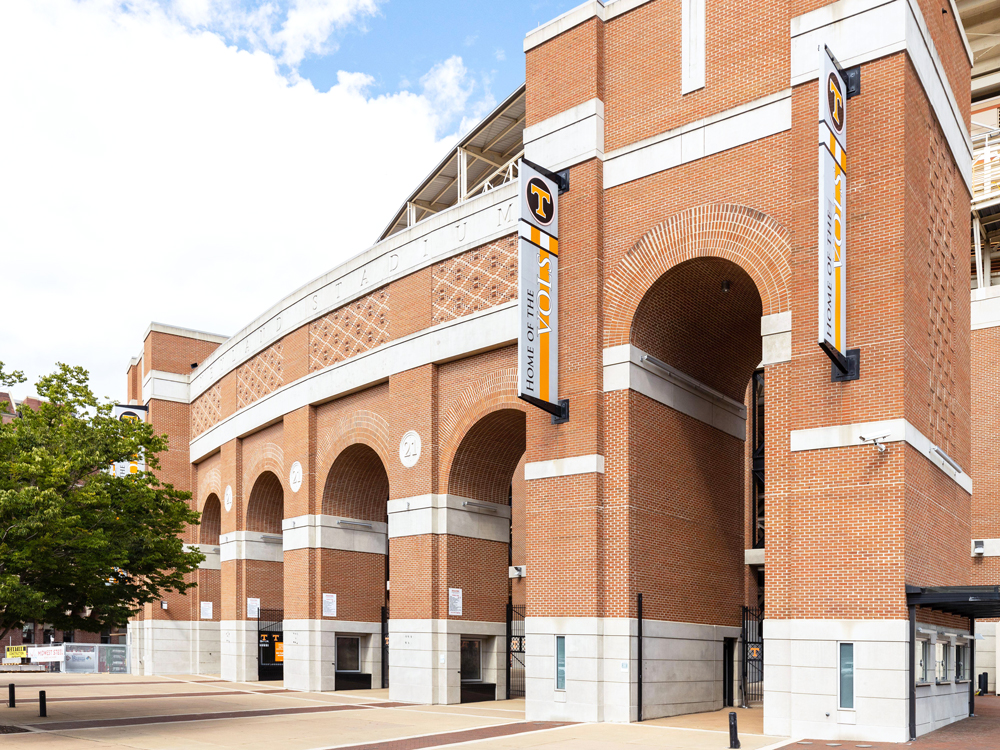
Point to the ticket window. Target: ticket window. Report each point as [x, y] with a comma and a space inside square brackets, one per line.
[348, 653]
[472, 660]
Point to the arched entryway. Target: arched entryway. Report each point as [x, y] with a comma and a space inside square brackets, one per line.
[265, 572]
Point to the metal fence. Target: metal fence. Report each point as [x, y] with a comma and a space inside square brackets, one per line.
[515, 651]
[91, 658]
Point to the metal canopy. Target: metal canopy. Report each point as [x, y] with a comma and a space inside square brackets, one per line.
[973, 602]
[981, 19]
[480, 162]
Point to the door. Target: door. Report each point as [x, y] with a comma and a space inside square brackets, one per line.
[270, 645]
[728, 656]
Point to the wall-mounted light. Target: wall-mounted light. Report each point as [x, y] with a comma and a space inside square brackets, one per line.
[163, 604]
[725, 286]
[979, 547]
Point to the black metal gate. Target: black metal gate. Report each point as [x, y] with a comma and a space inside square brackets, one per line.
[515, 650]
[752, 663]
[385, 646]
[270, 645]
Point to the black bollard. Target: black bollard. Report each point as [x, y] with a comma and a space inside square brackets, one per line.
[41, 705]
[734, 740]
[10, 695]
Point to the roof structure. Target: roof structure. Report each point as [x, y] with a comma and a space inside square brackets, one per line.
[484, 159]
[974, 602]
[981, 19]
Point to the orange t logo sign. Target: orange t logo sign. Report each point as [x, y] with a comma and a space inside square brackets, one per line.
[543, 195]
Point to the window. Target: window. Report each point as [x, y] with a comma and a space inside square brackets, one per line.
[926, 662]
[961, 659]
[560, 662]
[28, 633]
[472, 660]
[69, 636]
[943, 658]
[348, 653]
[847, 675]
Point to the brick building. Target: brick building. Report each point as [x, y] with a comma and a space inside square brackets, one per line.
[359, 450]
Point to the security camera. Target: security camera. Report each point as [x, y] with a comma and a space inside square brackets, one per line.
[874, 438]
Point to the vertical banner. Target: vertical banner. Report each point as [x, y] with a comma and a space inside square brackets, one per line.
[538, 289]
[138, 462]
[832, 210]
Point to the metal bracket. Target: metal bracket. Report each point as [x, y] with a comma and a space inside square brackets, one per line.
[853, 368]
[563, 176]
[852, 77]
[563, 416]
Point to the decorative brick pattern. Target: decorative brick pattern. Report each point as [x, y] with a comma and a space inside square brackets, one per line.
[206, 410]
[747, 237]
[349, 330]
[260, 376]
[476, 280]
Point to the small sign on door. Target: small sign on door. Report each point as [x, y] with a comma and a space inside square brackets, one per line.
[454, 601]
[329, 605]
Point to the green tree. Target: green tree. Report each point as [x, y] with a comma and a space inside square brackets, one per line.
[79, 548]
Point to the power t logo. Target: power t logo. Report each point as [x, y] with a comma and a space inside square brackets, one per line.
[539, 200]
[835, 101]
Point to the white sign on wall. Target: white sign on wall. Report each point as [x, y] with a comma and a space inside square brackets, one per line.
[206, 610]
[454, 601]
[538, 289]
[47, 654]
[832, 210]
[329, 605]
[295, 477]
[253, 607]
[409, 449]
[229, 498]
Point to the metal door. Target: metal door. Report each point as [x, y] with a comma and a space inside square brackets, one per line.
[515, 650]
[385, 646]
[270, 645]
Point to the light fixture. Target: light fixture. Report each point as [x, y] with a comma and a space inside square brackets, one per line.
[163, 604]
[725, 286]
[979, 547]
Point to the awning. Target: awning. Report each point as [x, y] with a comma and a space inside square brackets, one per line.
[974, 602]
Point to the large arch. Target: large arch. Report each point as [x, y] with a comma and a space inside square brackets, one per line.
[357, 485]
[266, 506]
[484, 462]
[211, 521]
[745, 236]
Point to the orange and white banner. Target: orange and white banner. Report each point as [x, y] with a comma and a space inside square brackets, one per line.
[832, 209]
[538, 290]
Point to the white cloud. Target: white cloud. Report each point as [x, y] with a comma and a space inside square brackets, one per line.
[500, 55]
[309, 24]
[148, 171]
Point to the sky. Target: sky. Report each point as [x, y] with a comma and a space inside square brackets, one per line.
[191, 162]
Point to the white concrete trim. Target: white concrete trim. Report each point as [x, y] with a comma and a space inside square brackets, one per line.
[334, 532]
[211, 552]
[985, 308]
[846, 435]
[776, 338]
[625, 369]
[991, 547]
[859, 31]
[250, 545]
[692, 45]
[576, 16]
[564, 467]
[488, 329]
[454, 230]
[734, 127]
[165, 386]
[753, 557]
[188, 333]
[311, 652]
[568, 138]
[449, 514]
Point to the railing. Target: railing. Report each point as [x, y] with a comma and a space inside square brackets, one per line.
[986, 166]
[500, 176]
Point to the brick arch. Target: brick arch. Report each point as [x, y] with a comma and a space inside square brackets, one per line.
[357, 485]
[266, 506]
[484, 462]
[749, 238]
[266, 457]
[209, 482]
[361, 427]
[211, 520]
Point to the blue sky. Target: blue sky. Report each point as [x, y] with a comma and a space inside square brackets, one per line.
[405, 39]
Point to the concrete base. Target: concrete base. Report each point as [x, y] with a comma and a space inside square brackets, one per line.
[425, 658]
[174, 647]
[683, 669]
[311, 647]
[239, 650]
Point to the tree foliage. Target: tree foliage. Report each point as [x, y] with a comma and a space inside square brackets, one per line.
[79, 548]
